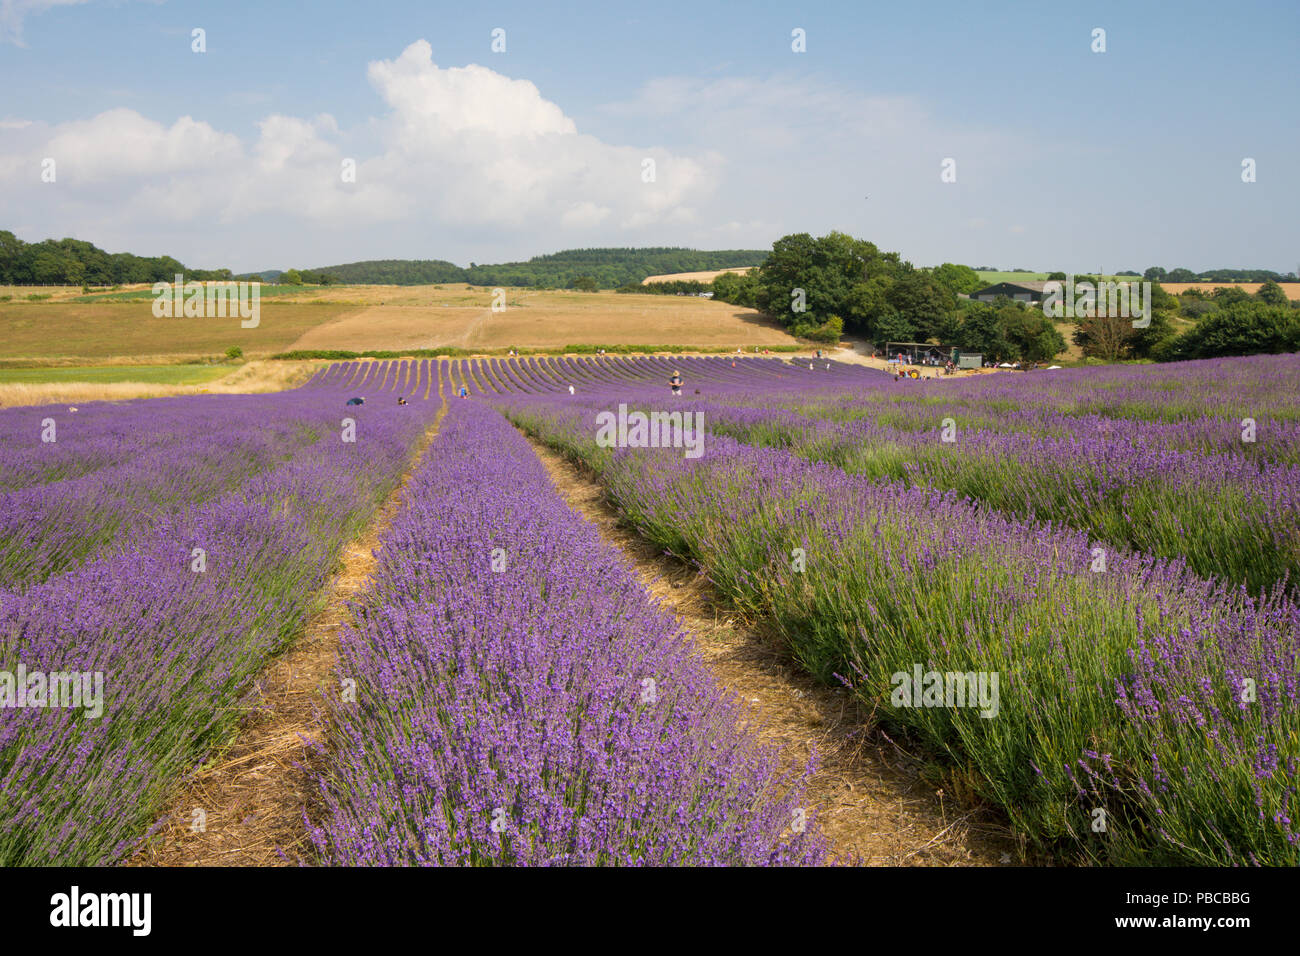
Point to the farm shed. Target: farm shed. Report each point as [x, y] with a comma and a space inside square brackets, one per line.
[1028, 291]
[916, 353]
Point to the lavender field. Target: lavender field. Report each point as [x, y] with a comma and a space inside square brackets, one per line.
[1114, 552]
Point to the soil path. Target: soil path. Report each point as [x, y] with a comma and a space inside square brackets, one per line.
[253, 798]
[870, 796]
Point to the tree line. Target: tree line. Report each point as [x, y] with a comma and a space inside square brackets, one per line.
[674, 287]
[1225, 321]
[1158, 274]
[602, 268]
[819, 288]
[74, 262]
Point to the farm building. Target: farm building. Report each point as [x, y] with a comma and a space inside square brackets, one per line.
[1030, 292]
[920, 353]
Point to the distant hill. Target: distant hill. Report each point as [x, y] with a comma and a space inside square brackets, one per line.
[610, 268]
[380, 272]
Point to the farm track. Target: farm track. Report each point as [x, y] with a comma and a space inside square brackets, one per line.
[869, 795]
[255, 795]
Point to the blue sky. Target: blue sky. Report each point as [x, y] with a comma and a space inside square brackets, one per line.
[1064, 158]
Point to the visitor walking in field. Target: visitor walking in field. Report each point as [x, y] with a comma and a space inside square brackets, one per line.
[676, 382]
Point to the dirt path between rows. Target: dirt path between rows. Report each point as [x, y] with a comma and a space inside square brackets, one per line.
[253, 799]
[870, 797]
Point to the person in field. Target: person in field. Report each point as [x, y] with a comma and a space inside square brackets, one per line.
[356, 401]
[402, 401]
[570, 389]
[464, 392]
[676, 382]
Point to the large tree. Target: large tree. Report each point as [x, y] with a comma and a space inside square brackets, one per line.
[922, 301]
[982, 332]
[1270, 293]
[1030, 333]
[1104, 336]
[957, 279]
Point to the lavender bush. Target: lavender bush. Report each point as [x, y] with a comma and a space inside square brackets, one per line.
[543, 713]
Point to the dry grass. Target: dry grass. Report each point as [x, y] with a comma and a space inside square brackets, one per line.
[255, 376]
[359, 318]
[91, 332]
[1292, 289]
[57, 293]
[544, 319]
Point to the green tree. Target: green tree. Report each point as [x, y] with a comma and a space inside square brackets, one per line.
[1104, 336]
[982, 332]
[922, 301]
[1030, 334]
[1245, 328]
[1229, 295]
[10, 251]
[1153, 340]
[292, 277]
[1270, 293]
[894, 327]
[957, 279]
[738, 289]
[867, 303]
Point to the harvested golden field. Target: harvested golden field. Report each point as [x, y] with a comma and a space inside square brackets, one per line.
[19, 293]
[692, 276]
[76, 332]
[452, 294]
[1292, 289]
[543, 319]
[360, 318]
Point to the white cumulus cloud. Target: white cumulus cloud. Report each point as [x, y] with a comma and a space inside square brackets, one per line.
[456, 148]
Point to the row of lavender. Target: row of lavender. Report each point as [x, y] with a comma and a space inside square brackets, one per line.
[1229, 515]
[1227, 389]
[710, 375]
[1139, 714]
[510, 694]
[154, 557]
[1175, 478]
[1223, 493]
